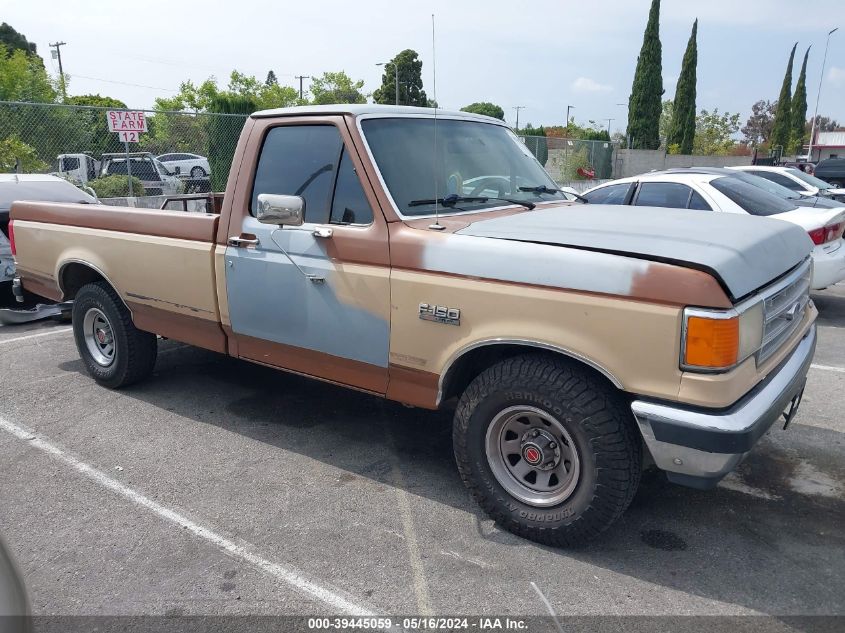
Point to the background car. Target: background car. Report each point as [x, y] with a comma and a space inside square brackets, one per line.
[156, 178]
[28, 187]
[795, 179]
[192, 165]
[832, 170]
[701, 191]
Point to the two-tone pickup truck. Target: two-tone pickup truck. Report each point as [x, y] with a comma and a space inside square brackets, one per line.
[432, 261]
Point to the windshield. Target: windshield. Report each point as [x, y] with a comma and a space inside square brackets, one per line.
[767, 185]
[474, 160]
[810, 180]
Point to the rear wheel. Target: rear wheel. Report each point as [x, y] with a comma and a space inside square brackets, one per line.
[115, 352]
[547, 448]
[197, 172]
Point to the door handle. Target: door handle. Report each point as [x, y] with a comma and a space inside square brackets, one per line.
[236, 240]
[322, 231]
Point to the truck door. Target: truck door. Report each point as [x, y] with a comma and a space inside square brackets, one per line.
[314, 298]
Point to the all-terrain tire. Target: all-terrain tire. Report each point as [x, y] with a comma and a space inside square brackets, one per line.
[595, 421]
[133, 351]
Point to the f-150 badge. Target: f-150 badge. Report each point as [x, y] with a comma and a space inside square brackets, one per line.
[440, 314]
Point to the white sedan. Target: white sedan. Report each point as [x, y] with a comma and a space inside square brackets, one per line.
[795, 179]
[192, 165]
[713, 192]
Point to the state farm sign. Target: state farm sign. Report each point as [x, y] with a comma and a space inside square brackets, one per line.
[127, 124]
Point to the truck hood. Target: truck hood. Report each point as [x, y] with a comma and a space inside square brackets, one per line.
[743, 252]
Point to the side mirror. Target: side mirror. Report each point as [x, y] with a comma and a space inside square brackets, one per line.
[274, 208]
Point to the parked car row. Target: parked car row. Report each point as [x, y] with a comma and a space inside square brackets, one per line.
[738, 190]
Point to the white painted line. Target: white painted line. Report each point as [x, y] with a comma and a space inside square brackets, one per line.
[287, 575]
[39, 335]
[840, 370]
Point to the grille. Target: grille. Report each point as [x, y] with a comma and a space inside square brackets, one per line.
[783, 311]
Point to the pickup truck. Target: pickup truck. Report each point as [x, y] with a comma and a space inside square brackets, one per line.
[427, 257]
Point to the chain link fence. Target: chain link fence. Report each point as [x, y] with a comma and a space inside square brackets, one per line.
[75, 142]
[572, 162]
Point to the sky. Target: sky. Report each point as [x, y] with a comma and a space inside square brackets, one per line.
[542, 55]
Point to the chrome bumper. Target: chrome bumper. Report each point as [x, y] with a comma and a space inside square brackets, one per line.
[697, 447]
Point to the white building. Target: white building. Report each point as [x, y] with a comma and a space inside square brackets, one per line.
[828, 145]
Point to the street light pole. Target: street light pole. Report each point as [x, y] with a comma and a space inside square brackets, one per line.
[58, 47]
[518, 108]
[818, 96]
[395, 77]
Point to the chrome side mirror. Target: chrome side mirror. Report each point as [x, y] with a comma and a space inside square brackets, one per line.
[274, 208]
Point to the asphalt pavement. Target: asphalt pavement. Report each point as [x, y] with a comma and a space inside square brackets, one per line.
[221, 487]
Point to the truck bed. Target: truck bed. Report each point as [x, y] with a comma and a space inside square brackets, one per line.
[162, 263]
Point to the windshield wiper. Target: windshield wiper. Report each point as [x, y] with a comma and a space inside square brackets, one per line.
[545, 189]
[452, 199]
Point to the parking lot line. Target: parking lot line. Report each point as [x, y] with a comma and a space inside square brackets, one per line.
[840, 370]
[285, 574]
[40, 334]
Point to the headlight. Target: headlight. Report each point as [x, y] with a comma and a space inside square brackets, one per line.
[714, 340]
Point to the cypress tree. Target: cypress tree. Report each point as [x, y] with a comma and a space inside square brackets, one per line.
[682, 127]
[783, 117]
[799, 109]
[644, 104]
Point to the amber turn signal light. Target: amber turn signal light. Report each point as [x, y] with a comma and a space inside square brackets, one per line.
[712, 343]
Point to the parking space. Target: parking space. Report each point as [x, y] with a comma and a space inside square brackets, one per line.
[223, 487]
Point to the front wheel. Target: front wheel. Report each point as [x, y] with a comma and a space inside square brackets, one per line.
[547, 449]
[115, 352]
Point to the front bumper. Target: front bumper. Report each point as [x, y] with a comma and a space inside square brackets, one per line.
[697, 447]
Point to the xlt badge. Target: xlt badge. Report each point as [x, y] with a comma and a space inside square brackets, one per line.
[440, 314]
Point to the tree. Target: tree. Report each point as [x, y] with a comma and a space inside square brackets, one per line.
[783, 114]
[758, 128]
[486, 108]
[336, 87]
[23, 78]
[95, 124]
[14, 153]
[411, 91]
[644, 104]
[271, 78]
[714, 132]
[682, 127]
[223, 134]
[799, 109]
[823, 124]
[15, 41]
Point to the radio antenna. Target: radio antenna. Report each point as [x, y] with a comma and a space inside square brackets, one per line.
[436, 226]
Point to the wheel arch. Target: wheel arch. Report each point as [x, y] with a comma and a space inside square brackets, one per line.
[75, 273]
[469, 361]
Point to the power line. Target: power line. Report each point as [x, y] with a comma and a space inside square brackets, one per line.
[124, 83]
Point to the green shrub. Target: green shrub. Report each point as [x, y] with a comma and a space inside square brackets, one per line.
[116, 186]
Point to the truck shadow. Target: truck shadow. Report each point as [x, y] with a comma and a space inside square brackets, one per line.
[730, 545]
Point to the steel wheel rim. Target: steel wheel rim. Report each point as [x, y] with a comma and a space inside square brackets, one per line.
[509, 443]
[99, 337]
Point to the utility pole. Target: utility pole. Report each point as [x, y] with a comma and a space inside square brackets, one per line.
[818, 96]
[608, 125]
[301, 77]
[568, 108]
[58, 55]
[518, 108]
